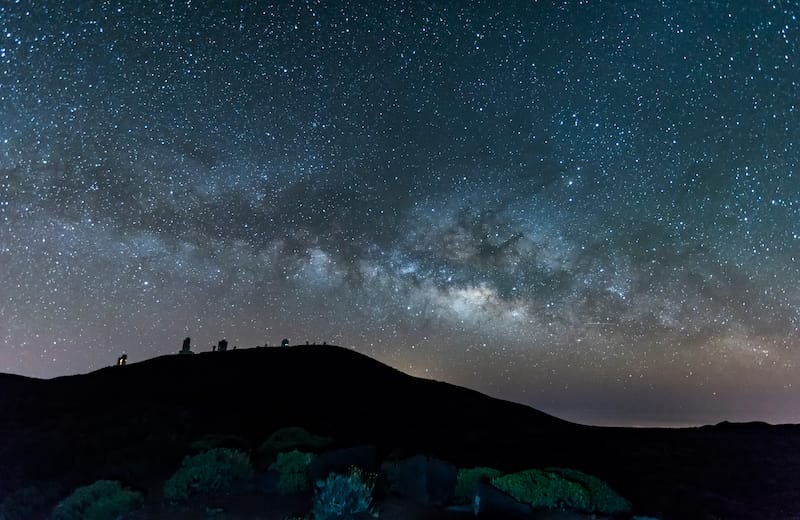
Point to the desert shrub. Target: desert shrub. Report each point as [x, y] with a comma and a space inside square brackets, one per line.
[341, 496]
[544, 489]
[292, 468]
[102, 500]
[293, 438]
[467, 482]
[215, 472]
[603, 499]
[553, 488]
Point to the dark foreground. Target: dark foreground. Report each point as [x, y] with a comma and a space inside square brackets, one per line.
[136, 423]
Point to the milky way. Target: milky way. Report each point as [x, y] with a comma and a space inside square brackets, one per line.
[589, 207]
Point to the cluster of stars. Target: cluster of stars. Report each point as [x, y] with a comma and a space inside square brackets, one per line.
[588, 207]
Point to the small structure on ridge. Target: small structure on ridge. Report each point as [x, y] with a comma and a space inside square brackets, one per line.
[187, 346]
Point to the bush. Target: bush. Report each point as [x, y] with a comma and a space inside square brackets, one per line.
[342, 496]
[467, 482]
[556, 488]
[102, 500]
[292, 468]
[544, 490]
[215, 472]
[604, 499]
[292, 438]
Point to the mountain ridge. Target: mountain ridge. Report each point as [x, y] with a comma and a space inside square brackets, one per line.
[136, 422]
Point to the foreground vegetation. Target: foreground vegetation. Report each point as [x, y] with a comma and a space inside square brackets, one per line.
[223, 473]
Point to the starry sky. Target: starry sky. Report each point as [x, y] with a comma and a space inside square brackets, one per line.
[590, 207]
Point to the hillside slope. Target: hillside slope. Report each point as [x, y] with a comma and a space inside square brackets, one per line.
[136, 422]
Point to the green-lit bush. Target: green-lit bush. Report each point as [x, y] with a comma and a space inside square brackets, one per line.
[293, 438]
[102, 500]
[292, 468]
[341, 496]
[604, 499]
[467, 482]
[544, 490]
[556, 488]
[215, 472]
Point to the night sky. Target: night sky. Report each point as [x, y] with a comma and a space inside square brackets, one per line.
[591, 207]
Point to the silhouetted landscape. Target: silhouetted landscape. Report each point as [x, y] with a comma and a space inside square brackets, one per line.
[136, 423]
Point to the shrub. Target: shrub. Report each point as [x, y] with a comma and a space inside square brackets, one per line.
[342, 496]
[467, 482]
[554, 488]
[102, 500]
[604, 499]
[544, 490]
[292, 438]
[215, 472]
[292, 468]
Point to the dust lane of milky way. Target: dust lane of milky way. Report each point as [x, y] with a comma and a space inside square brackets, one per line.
[591, 208]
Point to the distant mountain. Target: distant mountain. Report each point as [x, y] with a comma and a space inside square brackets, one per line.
[136, 422]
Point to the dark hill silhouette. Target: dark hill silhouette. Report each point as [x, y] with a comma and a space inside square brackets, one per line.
[136, 422]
